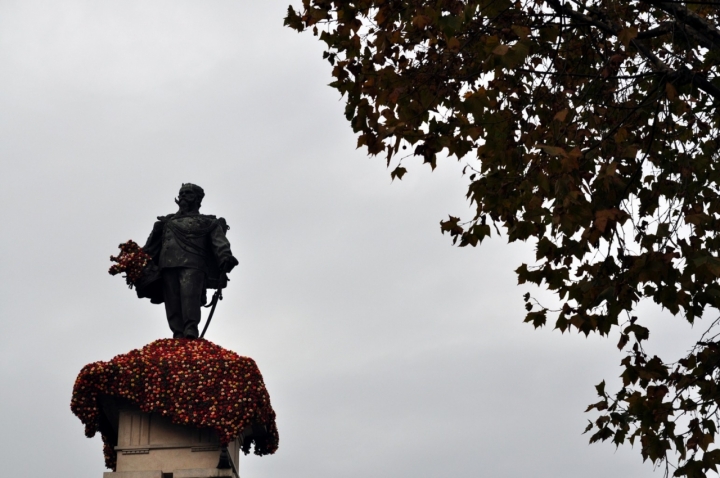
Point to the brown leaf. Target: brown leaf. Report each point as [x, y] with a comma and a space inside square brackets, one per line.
[626, 35]
[452, 226]
[553, 150]
[607, 215]
[421, 21]
[624, 338]
[380, 16]
[621, 135]
[570, 163]
[395, 95]
[561, 115]
[398, 172]
[501, 50]
[522, 32]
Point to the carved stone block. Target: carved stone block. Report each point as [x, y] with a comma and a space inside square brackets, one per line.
[151, 446]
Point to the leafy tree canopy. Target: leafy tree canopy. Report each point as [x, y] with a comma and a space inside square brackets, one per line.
[587, 126]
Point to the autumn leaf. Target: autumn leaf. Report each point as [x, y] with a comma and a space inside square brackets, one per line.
[553, 150]
[621, 135]
[602, 218]
[452, 226]
[626, 35]
[421, 21]
[398, 172]
[624, 338]
[501, 50]
[561, 115]
[293, 20]
[521, 31]
[570, 162]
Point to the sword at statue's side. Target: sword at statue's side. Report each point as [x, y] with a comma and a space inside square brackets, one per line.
[217, 296]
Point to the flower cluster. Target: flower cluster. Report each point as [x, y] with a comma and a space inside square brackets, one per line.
[131, 260]
[194, 382]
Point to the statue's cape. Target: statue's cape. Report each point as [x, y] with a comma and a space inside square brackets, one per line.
[150, 285]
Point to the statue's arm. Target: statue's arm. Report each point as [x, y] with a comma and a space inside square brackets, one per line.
[154, 241]
[221, 249]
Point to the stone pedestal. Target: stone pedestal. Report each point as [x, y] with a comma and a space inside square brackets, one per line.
[151, 446]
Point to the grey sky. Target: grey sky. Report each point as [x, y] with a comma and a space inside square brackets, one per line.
[387, 352]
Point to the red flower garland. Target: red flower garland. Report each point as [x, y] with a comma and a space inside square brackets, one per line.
[194, 382]
[131, 260]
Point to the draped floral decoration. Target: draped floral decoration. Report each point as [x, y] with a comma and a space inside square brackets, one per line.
[194, 382]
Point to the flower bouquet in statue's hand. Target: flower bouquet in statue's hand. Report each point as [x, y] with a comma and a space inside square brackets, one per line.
[132, 260]
[140, 271]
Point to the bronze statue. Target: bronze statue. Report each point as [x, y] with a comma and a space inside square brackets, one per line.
[190, 254]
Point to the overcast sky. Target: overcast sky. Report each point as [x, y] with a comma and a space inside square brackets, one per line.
[386, 351]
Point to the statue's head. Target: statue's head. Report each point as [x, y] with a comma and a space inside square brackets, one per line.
[190, 197]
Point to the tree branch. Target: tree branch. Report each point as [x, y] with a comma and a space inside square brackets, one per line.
[687, 17]
[670, 27]
[663, 29]
[577, 75]
[682, 76]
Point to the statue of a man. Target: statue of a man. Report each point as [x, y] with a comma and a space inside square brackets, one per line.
[190, 253]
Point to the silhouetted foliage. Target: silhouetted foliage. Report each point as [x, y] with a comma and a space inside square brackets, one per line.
[588, 126]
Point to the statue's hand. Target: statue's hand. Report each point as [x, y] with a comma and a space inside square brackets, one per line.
[228, 264]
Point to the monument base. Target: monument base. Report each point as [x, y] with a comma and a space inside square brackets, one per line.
[191, 473]
[149, 445]
[176, 405]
